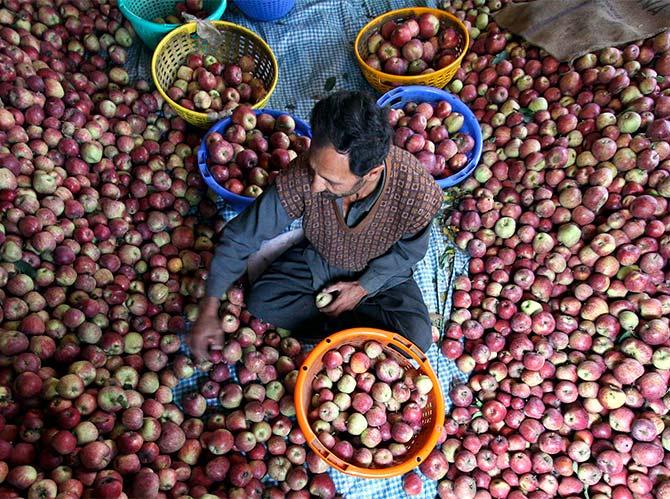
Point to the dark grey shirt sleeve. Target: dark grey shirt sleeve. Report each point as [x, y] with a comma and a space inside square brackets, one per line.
[242, 237]
[402, 256]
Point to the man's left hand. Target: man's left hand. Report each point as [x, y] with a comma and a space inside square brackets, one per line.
[350, 295]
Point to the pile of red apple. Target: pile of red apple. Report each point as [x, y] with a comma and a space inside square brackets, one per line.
[365, 407]
[204, 84]
[193, 7]
[433, 133]
[562, 321]
[250, 152]
[253, 436]
[413, 46]
[106, 234]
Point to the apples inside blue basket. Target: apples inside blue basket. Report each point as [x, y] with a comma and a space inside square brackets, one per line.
[241, 154]
[438, 128]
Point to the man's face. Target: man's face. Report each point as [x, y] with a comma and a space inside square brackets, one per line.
[332, 176]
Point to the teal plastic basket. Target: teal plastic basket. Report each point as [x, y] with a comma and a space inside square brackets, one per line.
[141, 12]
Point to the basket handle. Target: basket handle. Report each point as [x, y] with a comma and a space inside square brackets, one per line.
[328, 456]
[411, 346]
[400, 95]
[392, 97]
[202, 160]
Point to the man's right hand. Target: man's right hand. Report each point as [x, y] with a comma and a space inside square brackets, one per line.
[207, 331]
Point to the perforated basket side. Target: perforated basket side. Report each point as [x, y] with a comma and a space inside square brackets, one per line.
[237, 44]
[427, 417]
[171, 57]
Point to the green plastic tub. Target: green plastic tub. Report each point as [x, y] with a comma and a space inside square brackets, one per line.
[141, 12]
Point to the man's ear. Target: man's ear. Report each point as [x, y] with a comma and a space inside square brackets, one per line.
[374, 173]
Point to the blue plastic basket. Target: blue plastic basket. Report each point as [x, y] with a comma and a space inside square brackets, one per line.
[400, 96]
[237, 202]
[265, 10]
[141, 12]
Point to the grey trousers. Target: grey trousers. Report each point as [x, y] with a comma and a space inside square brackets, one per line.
[284, 296]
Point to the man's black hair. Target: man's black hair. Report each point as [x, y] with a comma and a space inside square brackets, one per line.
[355, 125]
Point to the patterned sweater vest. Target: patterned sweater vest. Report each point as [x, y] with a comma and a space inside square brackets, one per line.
[409, 200]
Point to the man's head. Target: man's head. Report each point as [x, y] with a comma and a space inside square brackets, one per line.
[351, 139]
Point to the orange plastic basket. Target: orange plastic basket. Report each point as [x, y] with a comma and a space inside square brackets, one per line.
[411, 358]
[383, 82]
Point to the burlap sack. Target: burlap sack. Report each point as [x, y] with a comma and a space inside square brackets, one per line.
[570, 28]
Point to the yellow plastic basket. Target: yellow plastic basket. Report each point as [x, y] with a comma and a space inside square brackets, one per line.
[383, 82]
[172, 51]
